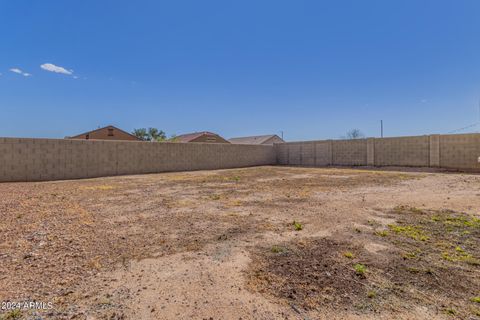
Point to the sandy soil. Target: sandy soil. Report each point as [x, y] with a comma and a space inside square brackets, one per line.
[222, 245]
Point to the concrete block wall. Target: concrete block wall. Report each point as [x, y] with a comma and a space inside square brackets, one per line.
[52, 159]
[459, 151]
[349, 152]
[402, 151]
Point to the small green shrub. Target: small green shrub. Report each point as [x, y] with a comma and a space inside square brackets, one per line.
[297, 225]
[277, 249]
[476, 299]
[412, 232]
[360, 269]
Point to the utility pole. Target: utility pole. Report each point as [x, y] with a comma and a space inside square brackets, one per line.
[281, 132]
[381, 128]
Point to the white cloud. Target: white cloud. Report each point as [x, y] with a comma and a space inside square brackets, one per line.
[57, 69]
[18, 71]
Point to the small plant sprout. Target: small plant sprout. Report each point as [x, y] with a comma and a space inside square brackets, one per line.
[348, 255]
[371, 294]
[297, 225]
[382, 233]
[476, 299]
[215, 197]
[277, 249]
[450, 311]
[360, 269]
[12, 315]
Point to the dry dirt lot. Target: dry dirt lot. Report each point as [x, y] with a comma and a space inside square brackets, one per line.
[255, 243]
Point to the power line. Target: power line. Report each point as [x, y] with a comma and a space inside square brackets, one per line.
[472, 125]
[467, 127]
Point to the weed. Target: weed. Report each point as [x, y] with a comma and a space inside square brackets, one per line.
[476, 311]
[13, 314]
[413, 270]
[371, 294]
[462, 221]
[450, 311]
[297, 225]
[460, 255]
[277, 249]
[470, 260]
[411, 255]
[459, 249]
[215, 197]
[446, 256]
[413, 232]
[373, 223]
[360, 269]
[475, 299]
[348, 255]
[104, 301]
[357, 230]
[382, 233]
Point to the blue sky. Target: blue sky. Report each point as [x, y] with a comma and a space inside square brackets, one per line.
[313, 69]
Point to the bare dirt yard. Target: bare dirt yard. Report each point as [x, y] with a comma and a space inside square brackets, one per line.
[254, 243]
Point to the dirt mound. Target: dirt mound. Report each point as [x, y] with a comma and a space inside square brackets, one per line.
[430, 260]
[309, 274]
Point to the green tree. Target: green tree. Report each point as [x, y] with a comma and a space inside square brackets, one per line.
[156, 135]
[141, 133]
[150, 134]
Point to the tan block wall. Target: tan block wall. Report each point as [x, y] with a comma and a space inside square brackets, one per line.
[50, 159]
[459, 151]
[350, 152]
[323, 153]
[402, 151]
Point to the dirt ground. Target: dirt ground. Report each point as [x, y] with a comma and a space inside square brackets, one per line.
[254, 243]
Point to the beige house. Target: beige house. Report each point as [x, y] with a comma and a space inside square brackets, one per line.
[106, 133]
[205, 136]
[269, 139]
